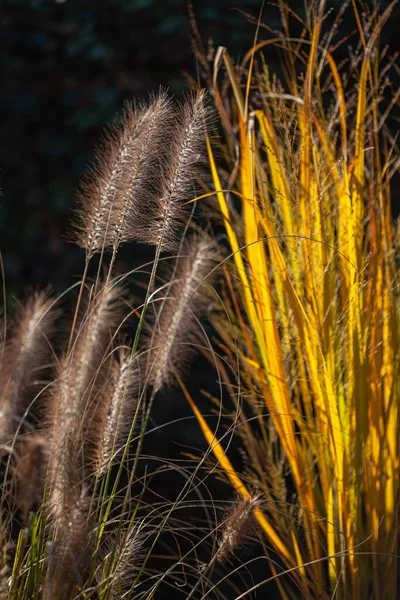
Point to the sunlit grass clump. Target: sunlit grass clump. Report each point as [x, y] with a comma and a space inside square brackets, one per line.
[312, 341]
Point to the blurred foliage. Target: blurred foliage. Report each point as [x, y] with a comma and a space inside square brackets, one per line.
[67, 67]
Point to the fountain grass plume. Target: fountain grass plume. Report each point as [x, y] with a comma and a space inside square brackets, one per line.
[186, 299]
[80, 376]
[162, 222]
[123, 176]
[25, 352]
[113, 410]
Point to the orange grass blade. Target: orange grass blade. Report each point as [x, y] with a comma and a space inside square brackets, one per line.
[236, 482]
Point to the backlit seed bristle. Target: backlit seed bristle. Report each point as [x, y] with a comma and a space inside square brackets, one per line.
[123, 176]
[162, 222]
[186, 299]
[114, 410]
[64, 422]
[236, 527]
[97, 328]
[24, 353]
[126, 557]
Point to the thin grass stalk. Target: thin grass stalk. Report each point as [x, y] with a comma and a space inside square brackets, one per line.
[104, 516]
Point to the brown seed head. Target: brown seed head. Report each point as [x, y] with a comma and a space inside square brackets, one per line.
[126, 555]
[80, 377]
[186, 300]
[161, 223]
[124, 176]
[236, 526]
[114, 410]
[25, 352]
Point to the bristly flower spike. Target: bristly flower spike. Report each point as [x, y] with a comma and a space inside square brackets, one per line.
[80, 375]
[236, 525]
[161, 222]
[24, 354]
[114, 410]
[186, 300]
[122, 562]
[73, 548]
[125, 174]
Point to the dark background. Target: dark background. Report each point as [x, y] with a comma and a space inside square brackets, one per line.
[66, 69]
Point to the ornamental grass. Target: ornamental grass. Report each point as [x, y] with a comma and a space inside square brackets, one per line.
[287, 284]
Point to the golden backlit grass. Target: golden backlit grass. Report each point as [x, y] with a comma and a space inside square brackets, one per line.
[302, 182]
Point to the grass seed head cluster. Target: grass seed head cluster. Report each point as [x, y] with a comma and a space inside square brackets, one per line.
[73, 417]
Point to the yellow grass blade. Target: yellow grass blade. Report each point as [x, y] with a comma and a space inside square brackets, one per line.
[276, 170]
[320, 334]
[236, 482]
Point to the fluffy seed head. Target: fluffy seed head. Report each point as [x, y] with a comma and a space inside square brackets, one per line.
[73, 546]
[126, 557]
[123, 176]
[186, 299]
[24, 353]
[162, 222]
[80, 376]
[114, 409]
[236, 525]
[30, 465]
